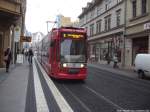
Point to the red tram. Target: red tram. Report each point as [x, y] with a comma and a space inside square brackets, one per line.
[63, 54]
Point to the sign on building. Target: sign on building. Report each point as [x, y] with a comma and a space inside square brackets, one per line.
[19, 58]
[17, 33]
[25, 39]
[146, 26]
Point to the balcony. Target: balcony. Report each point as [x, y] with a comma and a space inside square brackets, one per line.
[14, 1]
[10, 9]
[11, 6]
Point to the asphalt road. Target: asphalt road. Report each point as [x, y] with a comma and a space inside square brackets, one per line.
[104, 91]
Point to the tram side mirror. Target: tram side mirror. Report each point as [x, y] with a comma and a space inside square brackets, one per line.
[52, 43]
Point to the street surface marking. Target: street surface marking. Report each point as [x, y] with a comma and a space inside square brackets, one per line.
[104, 98]
[62, 103]
[41, 103]
[88, 110]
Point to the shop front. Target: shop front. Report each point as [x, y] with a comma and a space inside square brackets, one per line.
[139, 45]
[105, 48]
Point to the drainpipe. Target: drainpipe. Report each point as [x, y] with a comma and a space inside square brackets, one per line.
[12, 42]
[124, 33]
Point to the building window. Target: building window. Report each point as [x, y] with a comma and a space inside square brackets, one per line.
[92, 14]
[99, 11]
[118, 1]
[107, 22]
[106, 7]
[86, 28]
[87, 31]
[144, 6]
[98, 26]
[134, 8]
[118, 17]
[91, 29]
[88, 16]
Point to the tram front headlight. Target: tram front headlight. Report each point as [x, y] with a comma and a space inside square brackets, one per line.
[82, 65]
[64, 64]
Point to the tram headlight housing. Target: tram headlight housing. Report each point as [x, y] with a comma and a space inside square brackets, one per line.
[82, 65]
[64, 65]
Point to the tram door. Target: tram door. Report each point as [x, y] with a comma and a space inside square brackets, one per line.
[53, 58]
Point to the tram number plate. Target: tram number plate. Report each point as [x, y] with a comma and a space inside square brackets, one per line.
[73, 71]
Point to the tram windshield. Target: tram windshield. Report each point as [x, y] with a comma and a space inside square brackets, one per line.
[73, 50]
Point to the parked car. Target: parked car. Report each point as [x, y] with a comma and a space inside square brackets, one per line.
[142, 65]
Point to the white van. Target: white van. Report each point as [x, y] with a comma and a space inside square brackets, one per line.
[142, 65]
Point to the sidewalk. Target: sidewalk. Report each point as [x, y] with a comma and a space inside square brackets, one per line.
[3, 73]
[122, 71]
[13, 88]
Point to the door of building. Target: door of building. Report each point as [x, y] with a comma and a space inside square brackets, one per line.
[140, 45]
[1, 51]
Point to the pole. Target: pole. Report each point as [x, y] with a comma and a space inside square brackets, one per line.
[47, 26]
[50, 22]
[13, 45]
[124, 33]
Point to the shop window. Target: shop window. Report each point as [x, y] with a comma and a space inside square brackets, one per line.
[140, 45]
[144, 6]
[107, 22]
[91, 29]
[118, 17]
[98, 26]
[118, 1]
[134, 8]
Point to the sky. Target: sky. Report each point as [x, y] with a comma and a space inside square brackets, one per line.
[40, 11]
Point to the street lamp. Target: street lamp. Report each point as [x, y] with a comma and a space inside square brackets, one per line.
[54, 22]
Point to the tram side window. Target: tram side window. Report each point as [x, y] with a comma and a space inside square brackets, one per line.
[52, 46]
[47, 50]
[52, 43]
[57, 52]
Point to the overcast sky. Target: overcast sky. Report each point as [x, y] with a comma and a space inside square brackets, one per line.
[40, 11]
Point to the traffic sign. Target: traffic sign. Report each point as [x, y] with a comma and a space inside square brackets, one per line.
[17, 33]
[25, 39]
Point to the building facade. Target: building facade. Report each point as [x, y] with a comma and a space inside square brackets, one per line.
[36, 38]
[74, 24]
[104, 21]
[137, 29]
[62, 21]
[12, 18]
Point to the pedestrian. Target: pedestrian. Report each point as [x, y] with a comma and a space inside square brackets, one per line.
[23, 51]
[107, 58]
[7, 58]
[30, 55]
[26, 54]
[115, 59]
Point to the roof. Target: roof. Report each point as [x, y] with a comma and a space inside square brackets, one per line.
[90, 6]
